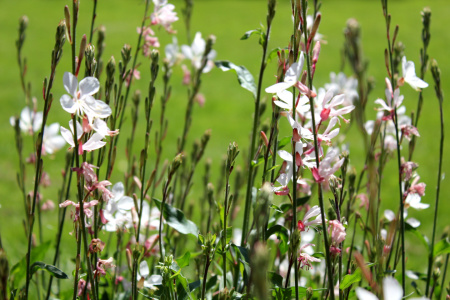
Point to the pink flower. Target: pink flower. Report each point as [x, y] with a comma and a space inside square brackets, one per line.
[86, 208]
[102, 265]
[337, 231]
[305, 259]
[135, 73]
[325, 169]
[164, 15]
[312, 212]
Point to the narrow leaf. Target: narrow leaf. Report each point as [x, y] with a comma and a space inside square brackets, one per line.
[54, 271]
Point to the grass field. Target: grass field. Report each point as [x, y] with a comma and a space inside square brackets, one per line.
[228, 108]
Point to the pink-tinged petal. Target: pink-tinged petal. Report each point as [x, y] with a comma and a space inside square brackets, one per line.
[392, 289]
[312, 212]
[327, 97]
[316, 175]
[305, 90]
[95, 142]
[338, 100]
[279, 87]
[68, 104]
[89, 86]
[383, 104]
[343, 111]
[67, 135]
[363, 294]
[70, 83]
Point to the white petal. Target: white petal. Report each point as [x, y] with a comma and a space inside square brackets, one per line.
[414, 223]
[293, 73]
[118, 190]
[70, 83]
[389, 215]
[392, 289]
[187, 52]
[279, 87]
[363, 294]
[67, 135]
[89, 86]
[285, 155]
[125, 203]
[95, 142]
[144, 269]
[68, 104]
[198, 45]
[101, 109]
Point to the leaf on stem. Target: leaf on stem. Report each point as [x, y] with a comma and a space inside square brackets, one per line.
[245, 78]
[175, 218]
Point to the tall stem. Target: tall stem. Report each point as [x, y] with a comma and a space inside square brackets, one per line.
[316, 150]
[250, 175]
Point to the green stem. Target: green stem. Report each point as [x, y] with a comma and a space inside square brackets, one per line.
[316, 150]
[250, 176]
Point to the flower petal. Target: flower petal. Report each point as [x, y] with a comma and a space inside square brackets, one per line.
[70, 83]
[89, 86]
[68, 104]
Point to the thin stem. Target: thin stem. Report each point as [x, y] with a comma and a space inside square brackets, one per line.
[316, 150]
[250, 175]
[94, 15]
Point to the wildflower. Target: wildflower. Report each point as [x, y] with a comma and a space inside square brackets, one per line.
[94, 142]
[48, 205]
[52, 141]
[340, 84]
[291, 78]
[337, 231]
[150, 40]
[325, 169]
[172, 51]
[195, 53]
[407, 169]
[413, 200]
[29, 122]
[409, 75]
[329, 132]
[117, 210]
[86, 208]
[102, 265]
[393, 101]
[135, 73]
[81, 102]
[144, 278]
[164, 15]
[312, 212]
[329, 103]
[286, 97]
[305, 259]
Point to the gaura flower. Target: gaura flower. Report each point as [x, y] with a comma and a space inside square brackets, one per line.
[29, 122]
[312, 212]
[95, 142]
[81, 101]
[409, 75]
[291, 78]
[195, 53]
[164, 15]
[52, 141]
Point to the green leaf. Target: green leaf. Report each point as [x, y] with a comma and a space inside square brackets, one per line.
[442, 247]
[18, 271]
[54, 271]
[420, 236]
[283, 142]
[282, 234]
[318, 255]
[250, 33]
[273, 53]
[276, 279]
[245, 78]
[350, 279]
[175, 218]
[184, 260]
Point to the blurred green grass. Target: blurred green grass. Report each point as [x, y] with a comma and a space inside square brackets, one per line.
[228, 108]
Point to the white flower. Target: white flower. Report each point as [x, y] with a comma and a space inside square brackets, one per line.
[391, 291]
[340, 84]
[325, 169]
[29, 122]
[81, 102]
[286, 97]
[413, 200]
[409, 75]
[52, 141]
[151, 281]
[291, 78]
[117, 211]
[312, 212]
[195, 53]
[95, 142]
[172, 52]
